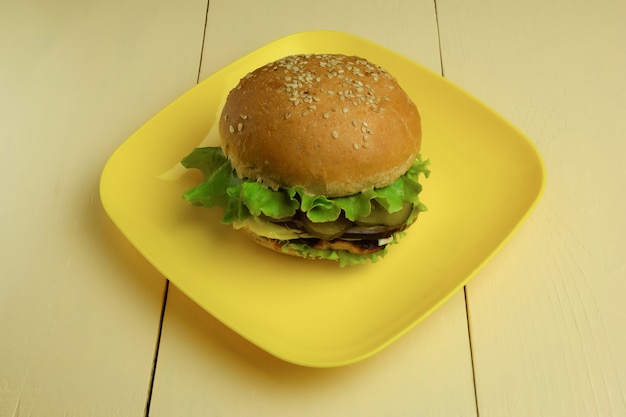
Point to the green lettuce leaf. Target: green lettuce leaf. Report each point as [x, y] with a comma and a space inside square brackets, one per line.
[261, 200]
[241, 198]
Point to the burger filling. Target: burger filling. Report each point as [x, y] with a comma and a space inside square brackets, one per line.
[350, 229]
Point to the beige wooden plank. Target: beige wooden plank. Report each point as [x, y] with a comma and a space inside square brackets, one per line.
[79, 308]
[547, 316]
[206, 369]
[235, 28]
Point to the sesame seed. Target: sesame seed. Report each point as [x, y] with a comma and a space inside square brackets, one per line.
[300, 84]
[243, 116]
[239, 127]
[334, 134]
[287, 116]
[231, 129]
[345, 110]
[355, 123]
[355, 146]
[326, 115]
[366, 137]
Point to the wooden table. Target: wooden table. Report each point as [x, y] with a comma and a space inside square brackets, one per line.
[90, 328]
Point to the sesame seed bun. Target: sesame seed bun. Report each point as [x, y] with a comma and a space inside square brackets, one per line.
[332, 124]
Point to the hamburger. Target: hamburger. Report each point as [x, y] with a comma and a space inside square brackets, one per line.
[319, 158]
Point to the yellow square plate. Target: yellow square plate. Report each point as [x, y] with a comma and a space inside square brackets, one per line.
[486, 178]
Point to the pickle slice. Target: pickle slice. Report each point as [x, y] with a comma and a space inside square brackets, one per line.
[326, 230]
[379, 216]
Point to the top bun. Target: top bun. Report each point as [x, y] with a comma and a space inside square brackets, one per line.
[332, 124]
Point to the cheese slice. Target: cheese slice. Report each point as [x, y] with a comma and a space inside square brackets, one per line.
[268, 229]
